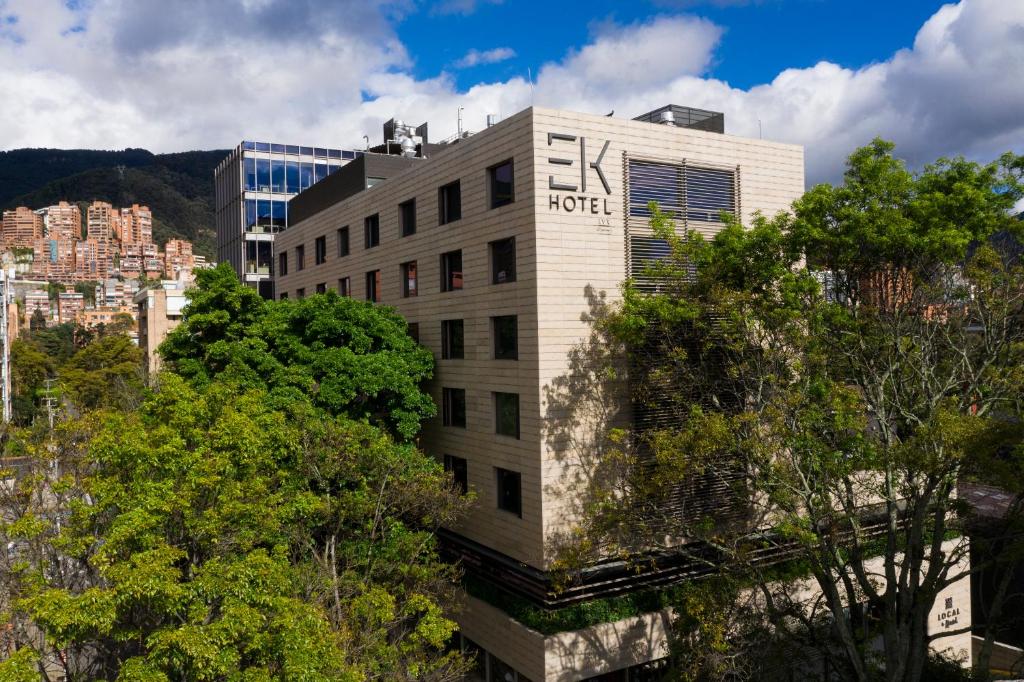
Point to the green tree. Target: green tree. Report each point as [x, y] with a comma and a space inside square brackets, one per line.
[106, 373]
[30, 368]
[345, 356]
[835, 408]
[209, 536]
[37, 321]
[88, 291]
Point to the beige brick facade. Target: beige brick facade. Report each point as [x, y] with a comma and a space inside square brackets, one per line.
[561, 258]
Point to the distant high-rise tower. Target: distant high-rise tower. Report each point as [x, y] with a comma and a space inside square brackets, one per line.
[63, 221]
[252, 188]
[136, 225]
[102, 222]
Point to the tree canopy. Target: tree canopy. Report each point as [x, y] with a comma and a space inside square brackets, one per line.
[259, 512]
[831, 374]
[210, 536]
[345, 356]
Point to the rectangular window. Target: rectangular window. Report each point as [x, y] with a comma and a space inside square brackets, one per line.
[371, 231]
[407, 217]
[320, 250]
[500, 180]
[343, 242]
[506, 414]
[503, 261]
[321, 288]
[451, 271]
[414, 331]
[409, 281]
[300, 257]
[449, 203]
[459, 469]
[300, 293]
[282, 264]
[453, 407]
[284, 295]
[373, 286]
[453, 345]
[345, 286]
[506, 337]
[510, 497]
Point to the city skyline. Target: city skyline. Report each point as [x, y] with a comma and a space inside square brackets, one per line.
[783, 70]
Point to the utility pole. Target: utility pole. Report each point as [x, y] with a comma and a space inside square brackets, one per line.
[49, 400]
[6, 296]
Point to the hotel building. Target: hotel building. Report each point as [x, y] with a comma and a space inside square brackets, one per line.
[499, 250]
[252, 187]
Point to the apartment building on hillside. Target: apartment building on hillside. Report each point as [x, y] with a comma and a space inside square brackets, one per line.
[21, 227]
[499, 250]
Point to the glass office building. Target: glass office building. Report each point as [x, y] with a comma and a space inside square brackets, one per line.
[252, 188]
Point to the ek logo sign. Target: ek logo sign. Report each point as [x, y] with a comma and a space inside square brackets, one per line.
[596, 164]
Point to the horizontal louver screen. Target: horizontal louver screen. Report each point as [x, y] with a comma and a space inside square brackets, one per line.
[686, 192]
[709, 192]
[661, 183]
[643, 253]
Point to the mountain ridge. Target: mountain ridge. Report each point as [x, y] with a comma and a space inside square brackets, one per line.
[177, 187]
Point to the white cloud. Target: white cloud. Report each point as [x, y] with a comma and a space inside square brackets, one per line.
[194, 74]
[476, 57]
[460, 6]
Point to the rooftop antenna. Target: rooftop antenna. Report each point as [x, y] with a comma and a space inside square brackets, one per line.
[460, 122]
[366, 138]
[760, 134]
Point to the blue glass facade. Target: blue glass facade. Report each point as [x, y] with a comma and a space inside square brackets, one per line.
[253, 187]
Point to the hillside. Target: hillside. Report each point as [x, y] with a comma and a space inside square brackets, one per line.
[177, 187]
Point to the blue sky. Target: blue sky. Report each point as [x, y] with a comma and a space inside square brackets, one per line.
[937, 79]
[761, 38]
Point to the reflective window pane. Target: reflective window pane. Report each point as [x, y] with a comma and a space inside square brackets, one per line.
[453, 346]
[279, 215]
[501, 184]
[250, 214]
[250, 173]
[263, 175]
[264, 215]
[453, 407]
[503, 261]
[506, 337]
[292, 177]
[277, 183]
[305, 175]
